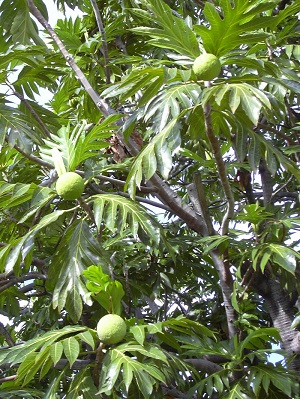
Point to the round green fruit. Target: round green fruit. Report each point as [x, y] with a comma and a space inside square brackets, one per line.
[111, 329]
[70, 186]
[207, 66]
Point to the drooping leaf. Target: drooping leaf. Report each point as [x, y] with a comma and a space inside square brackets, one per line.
[27, 240]
[77, 250]
[71, 349]
[122, 215]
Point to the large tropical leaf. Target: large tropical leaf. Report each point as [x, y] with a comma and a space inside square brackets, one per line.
[237, 23]
[77, 145]
[172, 33]
[117, 363]
[17, 354]
[157, 155]
[123, 215]
[77, 250]
[15, 125]
[26, 243]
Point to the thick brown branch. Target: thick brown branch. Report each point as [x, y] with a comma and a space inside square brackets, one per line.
[164, 192]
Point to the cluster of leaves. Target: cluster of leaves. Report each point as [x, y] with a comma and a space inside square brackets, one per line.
[154, 267]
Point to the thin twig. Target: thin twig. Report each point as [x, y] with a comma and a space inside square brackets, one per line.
[97, 367]
[6, 335]
[9, 378]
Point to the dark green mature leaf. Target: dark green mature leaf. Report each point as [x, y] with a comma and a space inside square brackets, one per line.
[236, 24]
[276, 375]
[122, 215]
[173, 33]
[157, 155]
[17, 354]
[27, 393]
[12, 195]
[251, 99]
[77, 250]
[71, 349]
[259, 141]
[82, 384]
[15, 16]
[116, 363]
[25, 243]
[56, 351]
[238, 392]
[15, 124]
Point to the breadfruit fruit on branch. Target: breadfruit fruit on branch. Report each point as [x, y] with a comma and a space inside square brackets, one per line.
[207, 66]
[70, 186]
[111, 329]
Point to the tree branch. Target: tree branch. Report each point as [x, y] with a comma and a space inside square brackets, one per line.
[164, 192]
[21, 279]
[103, 106]
[215, 145]
[104, 41]
[6, 335]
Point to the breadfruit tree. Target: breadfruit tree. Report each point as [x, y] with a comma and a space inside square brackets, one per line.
[183, 216]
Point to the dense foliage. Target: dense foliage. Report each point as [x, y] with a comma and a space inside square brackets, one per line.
[188, 225]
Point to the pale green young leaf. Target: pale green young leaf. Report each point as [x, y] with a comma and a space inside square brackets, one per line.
[138, 333]
[56, 351]
[77, 145]
[88, 338]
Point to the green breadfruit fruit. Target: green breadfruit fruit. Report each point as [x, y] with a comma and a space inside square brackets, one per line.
[207, 66]
[70, 186]
[111, 329]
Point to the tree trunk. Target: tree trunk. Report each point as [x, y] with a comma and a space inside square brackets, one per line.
[282, 315]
